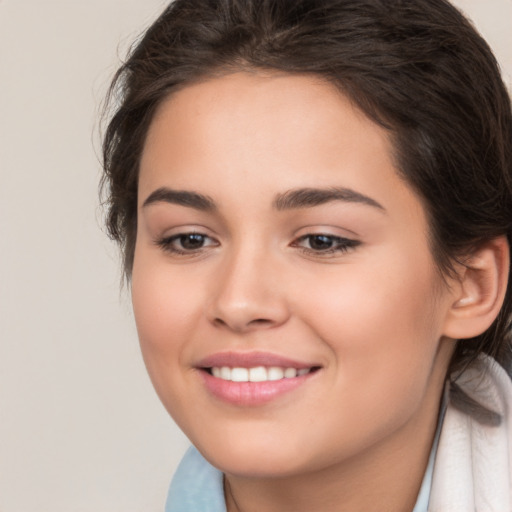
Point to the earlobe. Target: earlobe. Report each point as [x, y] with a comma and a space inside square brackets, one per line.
[480, 290]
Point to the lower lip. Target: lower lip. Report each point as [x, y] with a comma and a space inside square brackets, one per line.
[251, 393]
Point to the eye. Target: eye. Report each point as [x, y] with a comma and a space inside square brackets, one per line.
[325, 244]
[186, 243]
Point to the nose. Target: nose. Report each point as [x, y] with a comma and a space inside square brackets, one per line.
[247, 294]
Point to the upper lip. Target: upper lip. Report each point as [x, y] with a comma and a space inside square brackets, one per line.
[251, 360]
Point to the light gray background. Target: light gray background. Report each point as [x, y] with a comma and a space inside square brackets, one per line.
[80, 426]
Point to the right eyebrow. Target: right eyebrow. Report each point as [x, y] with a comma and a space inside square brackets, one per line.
[182, 198]
[310, 197]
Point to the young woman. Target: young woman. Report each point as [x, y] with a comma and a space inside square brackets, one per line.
[314, 203]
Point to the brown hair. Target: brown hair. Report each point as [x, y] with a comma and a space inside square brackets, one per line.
[416, 67]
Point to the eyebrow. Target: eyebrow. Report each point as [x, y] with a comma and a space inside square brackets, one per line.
[309, 197]
[292, 199]
[182, 198]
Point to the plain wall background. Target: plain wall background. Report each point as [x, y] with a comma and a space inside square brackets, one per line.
[80, 426]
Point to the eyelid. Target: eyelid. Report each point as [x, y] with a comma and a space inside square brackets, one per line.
[341, 244]
[327, 230]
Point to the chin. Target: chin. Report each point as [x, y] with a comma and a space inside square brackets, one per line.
[254, 460]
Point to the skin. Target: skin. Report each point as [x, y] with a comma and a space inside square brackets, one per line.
[357, 434]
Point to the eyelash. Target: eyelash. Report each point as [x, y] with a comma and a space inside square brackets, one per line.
[168, 243]
[339, 244]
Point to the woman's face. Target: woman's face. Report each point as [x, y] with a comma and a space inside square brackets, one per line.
[289, 310]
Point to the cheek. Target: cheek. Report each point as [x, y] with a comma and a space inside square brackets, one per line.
[166, 311]
[366, 300]
[383, 335]
[382, 322]
[165, 298]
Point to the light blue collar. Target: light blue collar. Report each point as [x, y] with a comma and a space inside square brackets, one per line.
[196, 486]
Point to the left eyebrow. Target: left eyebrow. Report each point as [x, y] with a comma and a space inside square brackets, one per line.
[309, 197]
[182, 198]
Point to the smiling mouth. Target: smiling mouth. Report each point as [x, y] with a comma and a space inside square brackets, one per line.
[258, 373]
[253, 379]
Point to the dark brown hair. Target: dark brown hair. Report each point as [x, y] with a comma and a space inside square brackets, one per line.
[416, 67]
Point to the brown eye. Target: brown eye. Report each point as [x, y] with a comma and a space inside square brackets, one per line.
[320, 242]
[191, 241]
[186, 243]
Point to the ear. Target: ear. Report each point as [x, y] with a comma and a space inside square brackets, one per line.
[479, 292]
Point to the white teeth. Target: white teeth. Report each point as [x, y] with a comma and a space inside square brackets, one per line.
[225, 373]
[290, 373]
[239, 374]
[257, 373]
[275, 373]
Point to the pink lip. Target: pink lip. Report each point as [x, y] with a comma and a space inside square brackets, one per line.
[250, 360]
[251, 393]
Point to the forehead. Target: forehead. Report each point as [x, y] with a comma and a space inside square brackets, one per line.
[257, 103]
[271, 131]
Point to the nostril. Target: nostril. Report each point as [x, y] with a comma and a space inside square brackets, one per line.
[219, 322]
[260, 321]
[242, 325]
